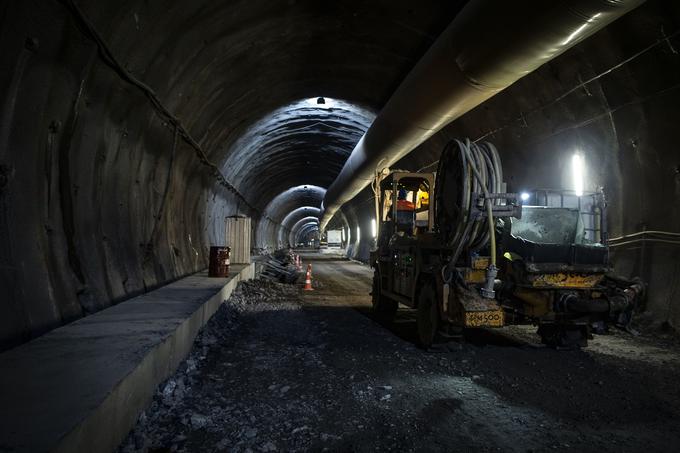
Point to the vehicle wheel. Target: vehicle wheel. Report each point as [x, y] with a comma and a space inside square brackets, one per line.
[563, 337]
[428, 316]
[384, 307]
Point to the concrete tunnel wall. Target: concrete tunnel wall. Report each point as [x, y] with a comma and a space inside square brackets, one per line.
[96, 207]
[268, 232]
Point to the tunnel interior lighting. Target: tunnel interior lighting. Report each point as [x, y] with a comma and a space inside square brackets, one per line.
[576, 33]
[374, 229]
[524, 196]
[358, 234]
[578, 170]
[321, 102]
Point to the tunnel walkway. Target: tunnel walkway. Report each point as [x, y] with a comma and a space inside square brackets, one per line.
[82, 386]
[285, 370]
[337, 281]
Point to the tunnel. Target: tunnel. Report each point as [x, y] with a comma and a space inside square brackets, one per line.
[131, 131]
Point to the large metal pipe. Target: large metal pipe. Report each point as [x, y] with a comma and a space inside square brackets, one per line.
[489, 45]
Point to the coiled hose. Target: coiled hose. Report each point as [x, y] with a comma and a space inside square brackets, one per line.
[465, 171]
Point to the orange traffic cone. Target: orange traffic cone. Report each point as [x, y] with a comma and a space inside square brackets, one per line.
[298, 263]
[308, 279]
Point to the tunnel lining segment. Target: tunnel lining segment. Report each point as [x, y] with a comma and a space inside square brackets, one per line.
[81, 387]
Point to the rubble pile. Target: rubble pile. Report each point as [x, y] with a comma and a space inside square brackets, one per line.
[172, 417]
[261, 291]
[280, 267]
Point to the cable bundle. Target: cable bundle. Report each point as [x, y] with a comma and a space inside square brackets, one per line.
[466, 169]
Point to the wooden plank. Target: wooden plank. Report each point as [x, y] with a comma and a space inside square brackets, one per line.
[238, 237]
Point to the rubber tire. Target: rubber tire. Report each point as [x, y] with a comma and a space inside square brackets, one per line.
[383, 307]
[428, 321]
[563, 337]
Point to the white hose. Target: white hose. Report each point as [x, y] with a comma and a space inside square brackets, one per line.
[480, 173]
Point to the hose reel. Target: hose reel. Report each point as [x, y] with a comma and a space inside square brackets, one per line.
[468, 196]
[458, 191]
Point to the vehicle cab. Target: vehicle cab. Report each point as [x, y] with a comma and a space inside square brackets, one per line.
[404, 205]
[405, 212]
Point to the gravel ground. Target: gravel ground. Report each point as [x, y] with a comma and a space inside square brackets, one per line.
[281, 370]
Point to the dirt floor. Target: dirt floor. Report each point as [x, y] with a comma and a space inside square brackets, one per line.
[278, 369]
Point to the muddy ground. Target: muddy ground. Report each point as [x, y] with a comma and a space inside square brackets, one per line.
[281, 370]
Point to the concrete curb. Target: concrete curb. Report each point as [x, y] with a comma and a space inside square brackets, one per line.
[107, 386]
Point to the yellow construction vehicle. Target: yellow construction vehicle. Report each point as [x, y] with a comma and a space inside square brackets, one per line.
[466, 254]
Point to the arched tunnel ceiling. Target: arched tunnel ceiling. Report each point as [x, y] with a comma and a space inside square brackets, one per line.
[305, 232]
[293, 220]
[304, 222]
[299, 213]
[242, 74]
[293, 198]
[306, 141]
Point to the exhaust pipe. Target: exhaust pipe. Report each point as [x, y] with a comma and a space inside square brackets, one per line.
[489, 45]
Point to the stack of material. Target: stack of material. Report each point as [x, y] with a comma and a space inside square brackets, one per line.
[238, 239]
[280, 267]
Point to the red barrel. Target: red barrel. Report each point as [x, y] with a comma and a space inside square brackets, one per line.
[219, 262]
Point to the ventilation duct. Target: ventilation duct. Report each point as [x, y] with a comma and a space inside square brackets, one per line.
[488, 46]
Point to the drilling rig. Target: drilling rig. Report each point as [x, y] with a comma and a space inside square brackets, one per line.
[466, 254]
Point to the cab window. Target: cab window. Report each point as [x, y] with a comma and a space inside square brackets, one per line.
[413, 201]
